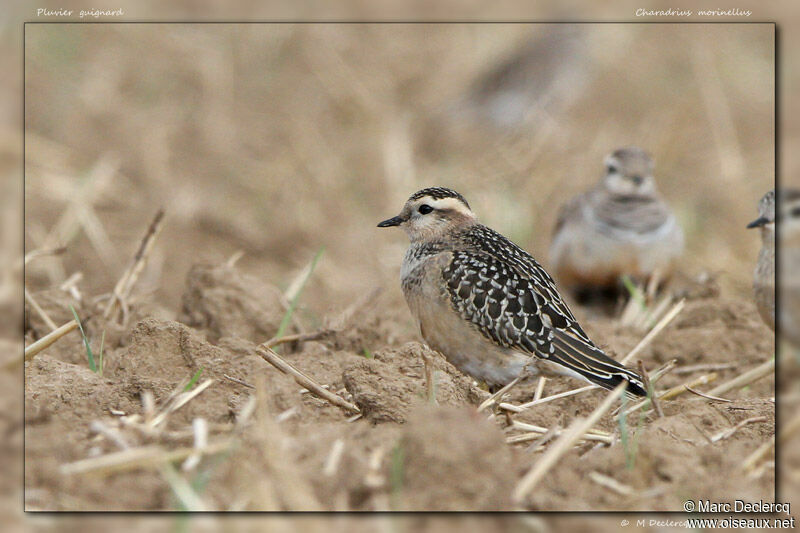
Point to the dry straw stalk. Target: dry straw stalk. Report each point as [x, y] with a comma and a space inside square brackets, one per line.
[745, 379]
[571, 435]
[49, 339]
[304, 381]
[143, 457]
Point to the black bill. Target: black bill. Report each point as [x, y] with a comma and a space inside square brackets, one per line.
[394, 221]
[760, 221]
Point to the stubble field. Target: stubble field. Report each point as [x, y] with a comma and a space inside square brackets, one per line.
[274, 151]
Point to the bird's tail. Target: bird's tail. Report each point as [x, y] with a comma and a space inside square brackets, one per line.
[592, 364]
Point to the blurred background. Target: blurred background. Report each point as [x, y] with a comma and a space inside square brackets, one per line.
[277, 140]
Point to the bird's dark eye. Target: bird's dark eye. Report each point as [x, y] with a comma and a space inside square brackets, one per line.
[611, 168]
[425, 209]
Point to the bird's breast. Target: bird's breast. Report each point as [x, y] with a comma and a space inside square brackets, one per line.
[444, 330]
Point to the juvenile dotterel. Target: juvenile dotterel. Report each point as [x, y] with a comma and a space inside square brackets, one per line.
[619, 227]
[764, 275]
[486, 304]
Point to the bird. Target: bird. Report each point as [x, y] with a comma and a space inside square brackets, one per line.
[487, 305]
[620, 227]
[538, 77]
[764, 274]
[788, 217]
[789, 272]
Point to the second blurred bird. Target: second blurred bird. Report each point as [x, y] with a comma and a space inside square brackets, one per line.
[620, 227]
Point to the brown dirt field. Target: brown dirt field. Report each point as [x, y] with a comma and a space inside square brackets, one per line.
[346, 123]
[402, 453]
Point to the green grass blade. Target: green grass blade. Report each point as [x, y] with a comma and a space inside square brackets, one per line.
[634, 291]
[635, 440]
[89, 354]
[287, 317]
[396, 476]
[192, 381]
[624, 437]
[100, 355]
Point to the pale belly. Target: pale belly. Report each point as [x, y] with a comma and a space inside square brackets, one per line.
[464, 347]
[584, 256]
[764, 286]
[461, 344]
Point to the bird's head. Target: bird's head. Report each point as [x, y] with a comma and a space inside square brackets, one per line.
[629, 172]
[788, 214]
[431, 213]
[766, 213]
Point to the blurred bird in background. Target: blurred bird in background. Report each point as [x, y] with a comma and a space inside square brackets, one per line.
[621, 227]
[540, 76]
